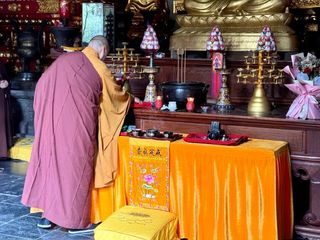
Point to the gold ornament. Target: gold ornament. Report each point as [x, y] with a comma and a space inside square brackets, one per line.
[48, 6]
[235, 7]
[240, 21]
[305, 3]
[260, 70]
[13, 7]
[143, 5]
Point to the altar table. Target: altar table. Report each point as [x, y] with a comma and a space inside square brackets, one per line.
[218, 192]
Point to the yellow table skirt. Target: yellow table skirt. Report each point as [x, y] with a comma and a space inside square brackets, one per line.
[218, 192]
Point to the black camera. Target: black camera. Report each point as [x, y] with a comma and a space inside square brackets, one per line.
[215, 132]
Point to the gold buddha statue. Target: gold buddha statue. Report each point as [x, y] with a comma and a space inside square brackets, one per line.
[152, 12]
[240, 22]
[235, 7]
[143, 5]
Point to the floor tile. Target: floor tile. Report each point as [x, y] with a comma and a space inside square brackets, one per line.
[24, 227]
[6, 178]
[63, 235]
[12, 211]
[9, 237]
[13, 166]
[13, 187]
[13, 199]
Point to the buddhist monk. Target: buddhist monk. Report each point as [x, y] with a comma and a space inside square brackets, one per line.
[5, 130]
[76, 100]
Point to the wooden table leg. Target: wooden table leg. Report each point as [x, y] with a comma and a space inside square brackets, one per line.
[309, 226]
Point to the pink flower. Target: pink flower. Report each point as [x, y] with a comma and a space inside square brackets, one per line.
[149, 178]
[307, 70]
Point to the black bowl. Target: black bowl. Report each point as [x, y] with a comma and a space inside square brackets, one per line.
[136, 132]
[152, 132]
[179, 92]
[167, 134]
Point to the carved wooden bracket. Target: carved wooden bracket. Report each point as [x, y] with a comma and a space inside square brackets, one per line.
[310, 170]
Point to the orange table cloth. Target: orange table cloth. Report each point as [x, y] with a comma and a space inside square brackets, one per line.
[218, 192]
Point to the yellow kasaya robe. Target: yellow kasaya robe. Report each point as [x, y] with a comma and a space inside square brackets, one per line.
[114, 105]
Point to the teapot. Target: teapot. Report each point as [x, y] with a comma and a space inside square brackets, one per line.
[215, 132]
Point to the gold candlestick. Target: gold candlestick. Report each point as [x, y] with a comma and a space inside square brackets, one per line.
[223, 103]
[125, 66]
[151, 91]
[260, 70]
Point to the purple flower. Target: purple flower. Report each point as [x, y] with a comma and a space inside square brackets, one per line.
[148, 178]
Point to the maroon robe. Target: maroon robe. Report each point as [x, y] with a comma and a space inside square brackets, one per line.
[5, 128]
[60, 174]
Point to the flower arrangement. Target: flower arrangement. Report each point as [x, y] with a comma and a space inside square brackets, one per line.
[304, 68]
[305, 74]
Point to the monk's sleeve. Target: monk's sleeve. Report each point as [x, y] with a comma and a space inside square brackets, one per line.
[114, 106]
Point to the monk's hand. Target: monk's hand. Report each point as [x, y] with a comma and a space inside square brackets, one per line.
[4, 84]
[137, 100]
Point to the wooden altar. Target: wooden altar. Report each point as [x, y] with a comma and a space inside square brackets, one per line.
[303, 137]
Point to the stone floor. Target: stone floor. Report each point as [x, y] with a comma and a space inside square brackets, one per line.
[15, 220]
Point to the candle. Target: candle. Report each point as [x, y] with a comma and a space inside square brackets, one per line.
[190, 104]
[158, 103]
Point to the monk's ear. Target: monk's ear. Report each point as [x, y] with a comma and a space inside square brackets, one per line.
[102, 53]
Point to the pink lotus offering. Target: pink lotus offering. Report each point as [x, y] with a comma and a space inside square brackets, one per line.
[215, 41]
[150, 41]
[266, 41]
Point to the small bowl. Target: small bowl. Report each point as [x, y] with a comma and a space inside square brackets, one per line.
[204, 108]
[167, 134]
[136, 132]
[152, 132]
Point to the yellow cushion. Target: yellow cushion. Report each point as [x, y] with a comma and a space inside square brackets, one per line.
[133, 223]
[21, 149]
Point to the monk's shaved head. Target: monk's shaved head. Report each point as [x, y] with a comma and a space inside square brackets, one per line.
[100, 45]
